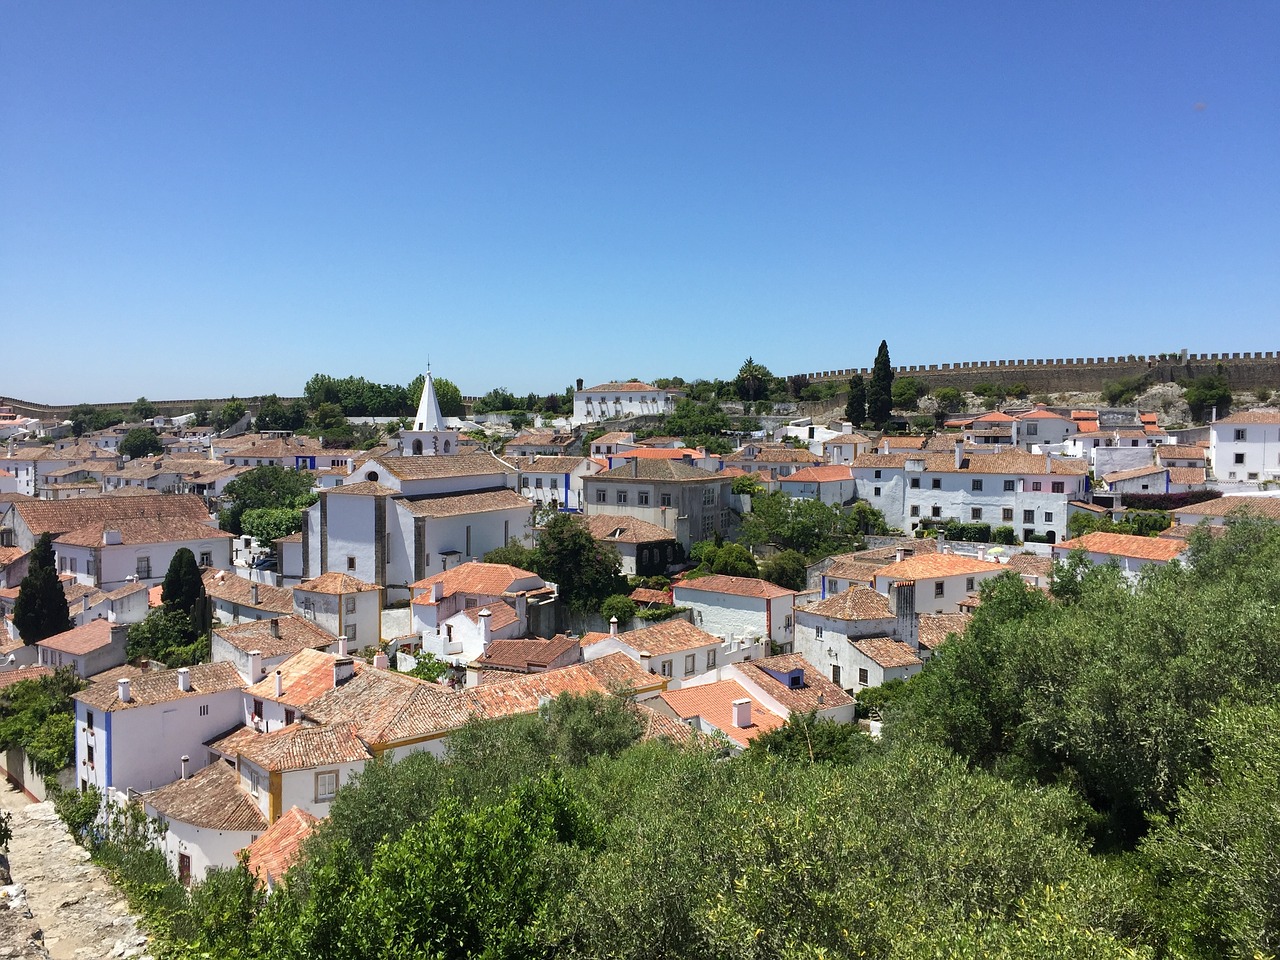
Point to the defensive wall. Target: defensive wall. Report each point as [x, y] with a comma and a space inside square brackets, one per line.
[164, 408]
[1244, 371]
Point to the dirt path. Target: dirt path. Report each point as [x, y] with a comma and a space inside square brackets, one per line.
[81, 914]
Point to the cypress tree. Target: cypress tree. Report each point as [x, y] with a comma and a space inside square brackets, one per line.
[41, 609]
[183, 587]
[855, 408]
[880, 390]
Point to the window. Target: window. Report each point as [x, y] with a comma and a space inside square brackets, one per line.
[711, 659]
[555, 483]
[206, 558]
[863, 679]
[351, 563]
[326, 785]
[708, 496]
[1007, 514]
[289, 716]
[975, 513]
[1028, 516]
[89, 754]
[1048, 517]
[351, 604]
[875, 492]
[688, 664]
[937, 483]
[184, 868]
[1058, 486]
[254, 783]
[1032, 429]
[257, 708]
[968, 584]
[935, 512]
[204, 709]
[976, 485]
[877, 475]
[664, 499]
[1010, 486]
[88, 719]
[1239, 435]
[600, 496]
[537, 483]
[642, 498]
[351, 632]
[835, 674]
[915, 483]
[666, 668]
[1036, 485]
[939, 588]
[915, 511]
[144, 568]
[817, 631]
[309, 608]
[1239, 458]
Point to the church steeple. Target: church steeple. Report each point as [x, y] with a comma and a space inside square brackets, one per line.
[430, 436]
[428, 417]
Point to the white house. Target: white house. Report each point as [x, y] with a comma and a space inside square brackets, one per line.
[96, 646]
[471, 587]
[1246, 446]
[645, 549]
[254, 647]
[942, 580]
[877, 659]
[341, 605]
[739, 607]
[826, 629]
[113, 554]
[555, 481]
[1130, 552]
[673, 649]
[617, 399]
[28, 519]
[832, 485]
[235, 599]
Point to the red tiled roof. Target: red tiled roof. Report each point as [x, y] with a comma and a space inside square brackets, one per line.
[304, 677]
[303, 746]
[856, 603]
[1124, 545]
[488, 579]
[273, 853]
[713, 702]
[735, 586]
[523, 654]
[934, 628]
[617, 529]
[937, 565]
[886, 652]
[1262, 416]
[500, 615]
[820, 475]
[9, 677]
[93, 635]
[817, 693]
[161, 686]
[336, 583]
[278, 636]
[1222, 506]
[667, 637]
[213, 798]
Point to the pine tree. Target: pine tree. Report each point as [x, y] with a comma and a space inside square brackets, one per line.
[41, 609]
[880, 389]
[183, 589]
[855, 408]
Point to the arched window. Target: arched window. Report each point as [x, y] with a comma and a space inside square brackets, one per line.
[372, 475]
[417, 448]
[446, 446]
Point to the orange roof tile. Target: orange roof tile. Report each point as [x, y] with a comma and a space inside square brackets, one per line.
[820, 475]
[1125, 545]
[937, 565]
[735, 586]
[934, 628]
[303, 746]
[667, 637]
[713, 702]
[212, 798]
[273, 853]
[887, 652]
[336, 583]
[815, 693]
[856, 603]
[93, 635]
[488, 579]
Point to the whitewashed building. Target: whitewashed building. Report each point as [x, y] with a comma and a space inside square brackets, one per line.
[618, 399]
[1246, 446]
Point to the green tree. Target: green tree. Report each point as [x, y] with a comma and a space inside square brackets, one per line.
[880, 389]
[497, 399]
[268, 524]
[143, 409]
[806, 739]
[40, 610]
[697, 423]
[621, 606]
[140, 442]
[273, 414]
[786, 569]
[586, 571]
[230, 414]
[949, 399]
[907, 391]
[1204, 393]
[734, 560]
[183, 587]
[855, 408]
[168, 636]
[264, 487]
[515, 554]
[448, 396]
[753, 381]
[748, 484]
[37, 716]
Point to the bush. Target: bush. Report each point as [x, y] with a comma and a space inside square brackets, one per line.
[77, 809]
[972, 532]
[1119, 393]
[1169, 501]
[622, 607]
[1005, 535]
[1262, 394]
[747, 484]
[907, 391]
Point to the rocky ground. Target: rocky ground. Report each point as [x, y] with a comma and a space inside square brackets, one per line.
[57, 904]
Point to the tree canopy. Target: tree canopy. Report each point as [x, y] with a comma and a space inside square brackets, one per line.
[587, 572]
[264, 487]
[880, 389]
[810, 527]
[855, 408]
[140, 442]
[40, 610]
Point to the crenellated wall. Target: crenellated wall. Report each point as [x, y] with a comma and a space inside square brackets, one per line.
[1244, 371]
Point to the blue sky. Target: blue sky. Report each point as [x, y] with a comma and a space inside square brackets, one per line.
[206, 199]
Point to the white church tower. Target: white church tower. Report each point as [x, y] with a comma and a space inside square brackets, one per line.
[429, 436]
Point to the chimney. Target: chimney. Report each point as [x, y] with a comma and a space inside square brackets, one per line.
[122, 689]
[111, 538]
[185, 761]
[1048, 463]
[942, 542]
[742, 713]
[279, 684]
[646, 659]
[635, 466]
[959, 453]
[255, 665]
[184, 679]
[982, 552]
[437, 591]
[344, 668]
[1013, 434]
[900, 554]
[342, 646]
[579, 383]
[253, 592]
[485, 635]
[275, 626]
[904, 609]
[381, 661]
[613, 626]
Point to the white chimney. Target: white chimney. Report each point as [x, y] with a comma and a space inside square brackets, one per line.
[185, 760]
[1048, 463]
[279, 684]
[344, 668]
[437, 591]
[111, 538]
[1013, 434]
[485, 634]
[900, 554]
[184, 679]
[645, 659]
[253, 593]
[342, 646]
[381, 661]
[613, 626]
[959, 453]
[742, 713]
[122, 689]
[255, 665]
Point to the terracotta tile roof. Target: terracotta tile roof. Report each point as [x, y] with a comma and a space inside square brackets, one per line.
[500, 615]
[1124, 545]
[886, 652]
[1134, 474]
[304, 677]
[137, 532]
[302, 746]
[856, 603]
[855, 571]
[9, 677]
[388, 707]
[664, 471]
[212, 798]
[456, 465]
[161, 686]
[93, 635]
[1040, 413]
[735, 586]
[817, 692]
[365, 488]
[889, 552]
[1030, 564]
[291, 538]
[646, 595]
[617, 671]
[1181, 451]
[667, 637]
[230, 744]
[229, 588]
[1185, 531]
[1268, 507]
[774, 453]
[549, 464]
[934, 628]
[1188, 476]
[628, 386]
[1261, 416]
[524, 693]
[336, 584]
[486, 579]
[1090, 507]
[125, 670]
[713, 702]
[614, 438]
[619, 529]
[659, 726]
[128, 589]
[995, 416]
[820, 475]
[273, 853]
[61, 516]
[1007, 462]
[460, 504]
[291, 634]
[931, 567]
[524, 654]
[10, 554]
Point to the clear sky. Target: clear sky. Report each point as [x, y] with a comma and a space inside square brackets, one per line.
[199, 199]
